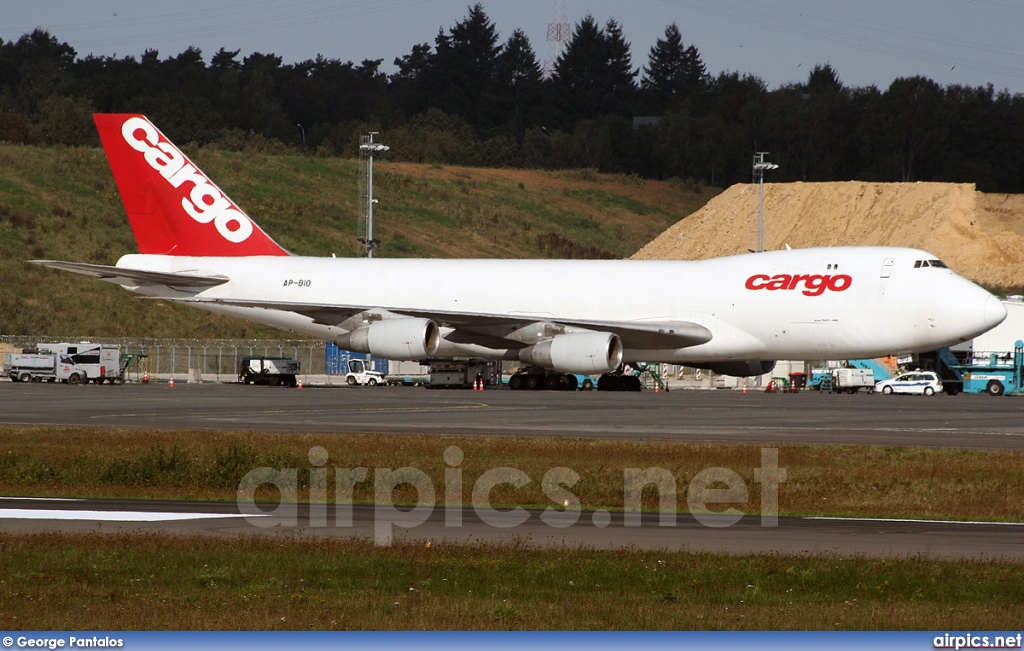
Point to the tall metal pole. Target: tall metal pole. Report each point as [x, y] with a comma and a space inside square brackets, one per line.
[760, 165]
[369, 207]
[367, 149]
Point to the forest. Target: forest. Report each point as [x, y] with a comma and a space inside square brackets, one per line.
[470, 98]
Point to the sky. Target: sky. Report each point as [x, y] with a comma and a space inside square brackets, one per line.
[867, 42]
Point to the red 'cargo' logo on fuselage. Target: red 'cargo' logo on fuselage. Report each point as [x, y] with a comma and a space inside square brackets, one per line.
[812, 284]
[204, 203]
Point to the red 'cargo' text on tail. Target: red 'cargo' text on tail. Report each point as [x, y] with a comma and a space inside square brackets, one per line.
[205, 203]
[174, 208]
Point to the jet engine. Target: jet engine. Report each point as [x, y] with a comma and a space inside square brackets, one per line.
[398, 339]
[583, 352]
[739, 369]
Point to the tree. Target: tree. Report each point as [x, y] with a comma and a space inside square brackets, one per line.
[673, 72]
[461, 73]
[593, 75]
[907, 129]
[517, 78]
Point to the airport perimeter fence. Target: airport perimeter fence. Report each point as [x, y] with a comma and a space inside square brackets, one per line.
[205, 360]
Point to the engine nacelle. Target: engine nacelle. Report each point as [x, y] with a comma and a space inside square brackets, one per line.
[583, 352]
[739, 369]
[398, 339]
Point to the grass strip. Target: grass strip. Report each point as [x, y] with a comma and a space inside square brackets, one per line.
[143, 581]
[820, 480]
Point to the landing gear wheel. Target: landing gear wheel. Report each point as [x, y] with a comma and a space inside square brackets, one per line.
[515, 382]
[533, 382]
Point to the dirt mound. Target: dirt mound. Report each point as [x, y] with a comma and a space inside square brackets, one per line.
[979, 235]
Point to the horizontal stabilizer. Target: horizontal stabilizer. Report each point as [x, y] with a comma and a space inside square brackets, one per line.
[135, 277]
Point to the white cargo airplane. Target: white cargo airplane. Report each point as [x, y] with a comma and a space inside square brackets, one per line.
[733, 315]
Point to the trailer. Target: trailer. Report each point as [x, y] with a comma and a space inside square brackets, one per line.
[272, 371]
[852, 380]
[407, 373]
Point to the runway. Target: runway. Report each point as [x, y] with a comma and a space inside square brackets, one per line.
[844, 538]
[965, 421]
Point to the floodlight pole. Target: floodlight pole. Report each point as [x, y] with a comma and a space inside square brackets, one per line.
[760, 165]
[367, 148]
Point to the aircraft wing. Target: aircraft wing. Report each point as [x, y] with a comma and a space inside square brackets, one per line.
[135, 277]
[481, 328]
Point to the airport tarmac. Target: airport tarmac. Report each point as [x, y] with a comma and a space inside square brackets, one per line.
[967, 421]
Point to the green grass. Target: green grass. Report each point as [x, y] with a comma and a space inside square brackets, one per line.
[141, 581]
[52, 581]
[820, 480]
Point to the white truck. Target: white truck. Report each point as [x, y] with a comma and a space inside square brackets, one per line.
[78, 363]
[273, 371]
[360, 374]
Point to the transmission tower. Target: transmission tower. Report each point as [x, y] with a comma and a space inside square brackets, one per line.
[558, 33]
[367, 149]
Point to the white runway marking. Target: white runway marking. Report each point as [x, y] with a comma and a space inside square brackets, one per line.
[1005, 524]
[107, 516]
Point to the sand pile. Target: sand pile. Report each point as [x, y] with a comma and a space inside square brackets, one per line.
[979, 235]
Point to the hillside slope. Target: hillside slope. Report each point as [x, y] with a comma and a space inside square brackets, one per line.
[61, 203]
[979, 235]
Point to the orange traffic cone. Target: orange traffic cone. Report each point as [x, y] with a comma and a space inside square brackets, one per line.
[145, 377]
[171, 383]
[656, 389]
[300, 383]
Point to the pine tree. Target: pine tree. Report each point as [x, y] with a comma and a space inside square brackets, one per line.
[673, 72]
[594, 74]
[517, 82]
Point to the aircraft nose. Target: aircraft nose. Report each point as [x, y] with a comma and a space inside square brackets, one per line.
[995, 312]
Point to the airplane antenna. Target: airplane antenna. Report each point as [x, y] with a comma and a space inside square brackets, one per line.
[367, 149]
[558, 33]
[760, 165]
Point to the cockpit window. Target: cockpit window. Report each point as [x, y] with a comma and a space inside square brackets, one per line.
[930, 263]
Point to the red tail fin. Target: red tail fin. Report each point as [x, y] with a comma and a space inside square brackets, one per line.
[174, 209]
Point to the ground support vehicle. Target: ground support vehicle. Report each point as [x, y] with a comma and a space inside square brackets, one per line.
[34, 366]
[464, 374]
[996, 374]
[852, 380]
[272, 371]
[619, 382]
[407, 374]
[360, 374]
[77, 363]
